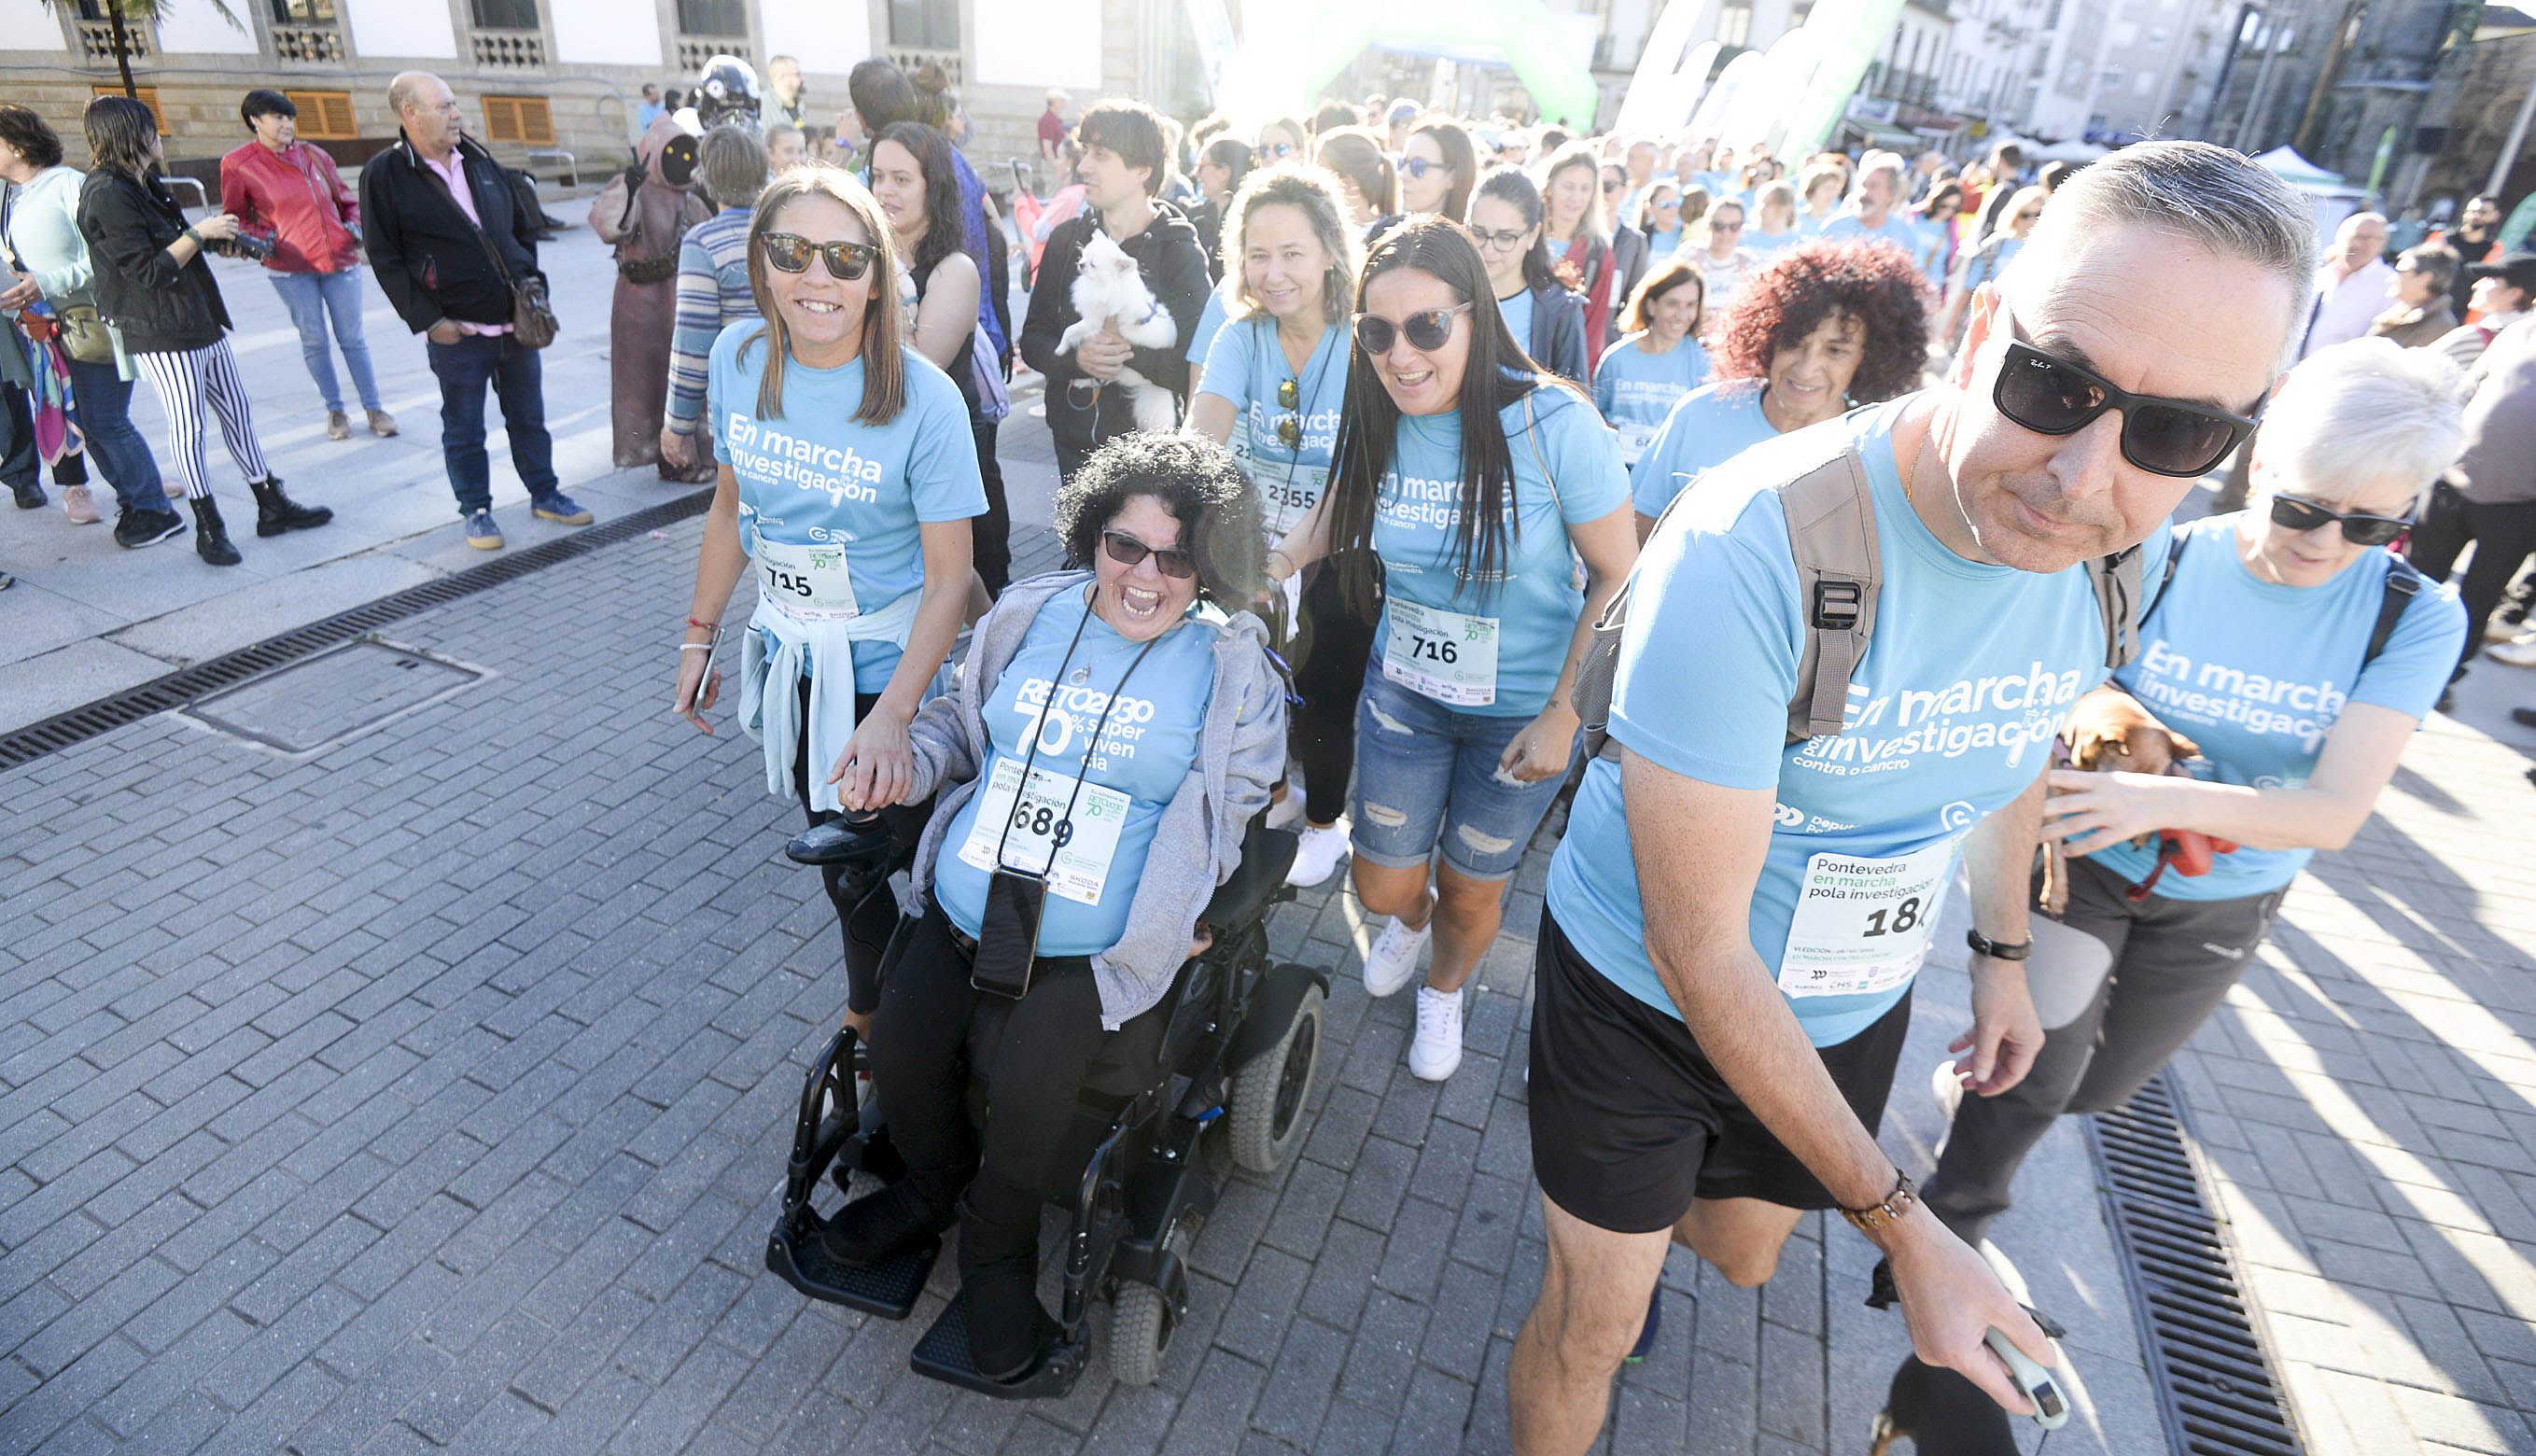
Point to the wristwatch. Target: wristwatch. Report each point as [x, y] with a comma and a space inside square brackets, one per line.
[1896, 1203]
[1998, 950]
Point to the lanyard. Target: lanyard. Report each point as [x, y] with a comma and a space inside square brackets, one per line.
[1065, 826]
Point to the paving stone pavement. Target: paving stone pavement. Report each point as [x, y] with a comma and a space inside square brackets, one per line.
[431, 1091]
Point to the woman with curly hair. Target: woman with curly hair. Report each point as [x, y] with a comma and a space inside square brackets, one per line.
[1814, 331]
[1108, 738]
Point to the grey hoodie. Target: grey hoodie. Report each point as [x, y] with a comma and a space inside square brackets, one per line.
[1197, 844]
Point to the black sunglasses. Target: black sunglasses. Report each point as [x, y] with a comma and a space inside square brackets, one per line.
[1418, 166]
[2358, 528]
[2162, 436]
[1426, 328]
[1126, 551]
[847, 261]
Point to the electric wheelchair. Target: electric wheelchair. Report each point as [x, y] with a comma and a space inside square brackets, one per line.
[1173, 1104]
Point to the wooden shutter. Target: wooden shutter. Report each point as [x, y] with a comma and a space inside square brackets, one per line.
[527, 121]
[148, 95]
[325, 115]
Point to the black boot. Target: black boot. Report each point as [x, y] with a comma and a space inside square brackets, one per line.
[1008, 1330]
[276, 513]
[211, 537]
[879, 1227]
[1942, 1414]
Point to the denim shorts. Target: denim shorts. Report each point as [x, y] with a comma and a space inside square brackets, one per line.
[1427, 775]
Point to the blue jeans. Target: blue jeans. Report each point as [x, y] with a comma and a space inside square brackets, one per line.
[1426, 774]
[464, 369]
[103, 399]
[312, 297]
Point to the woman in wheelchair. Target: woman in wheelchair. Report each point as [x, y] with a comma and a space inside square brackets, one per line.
[1093, 768]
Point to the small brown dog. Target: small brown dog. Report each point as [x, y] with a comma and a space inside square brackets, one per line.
[2108, 732]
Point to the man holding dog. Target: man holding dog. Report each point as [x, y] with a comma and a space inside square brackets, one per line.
[1122, 169]
[1718, 1012]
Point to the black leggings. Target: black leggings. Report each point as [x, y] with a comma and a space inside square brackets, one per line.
[990, 535]
[934, 1031]
[2502, 537]
[1332, 645]
[865, 926]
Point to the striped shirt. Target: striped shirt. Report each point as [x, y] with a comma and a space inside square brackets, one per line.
[713, 291]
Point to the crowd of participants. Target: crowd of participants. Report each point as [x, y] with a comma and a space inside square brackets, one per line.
[1440, 392]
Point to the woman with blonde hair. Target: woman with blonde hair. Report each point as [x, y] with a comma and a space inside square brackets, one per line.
[851, 457]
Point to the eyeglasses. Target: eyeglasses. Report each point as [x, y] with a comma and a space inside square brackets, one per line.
[1613, 186]
[1126, 551]
[2162, 436]
[847, 261]
[1282, 149]
[1717, 226]
[2297, 513]
[1500, 241]
[1425, 330]
[1418, 166]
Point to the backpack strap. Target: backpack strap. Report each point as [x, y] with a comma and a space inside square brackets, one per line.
[2115, 581]
[1831, 534]
[1599, 670]
[2403, 584]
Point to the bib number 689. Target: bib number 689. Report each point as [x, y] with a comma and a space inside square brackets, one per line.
[1904, 916]
[1043, 821]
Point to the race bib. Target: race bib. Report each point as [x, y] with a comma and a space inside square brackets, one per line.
[807, 582]
[1634, 440]
[1862, 925]
[1286, 493]
[1083, 845]
[1448, 655]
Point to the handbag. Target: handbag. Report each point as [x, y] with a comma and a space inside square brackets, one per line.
[78, 327]
[533, 319]
[1016, 898]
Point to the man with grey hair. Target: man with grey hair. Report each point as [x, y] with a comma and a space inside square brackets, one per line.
[1874, 210]
[447, 243]
[1756, 864]
[2351, 285]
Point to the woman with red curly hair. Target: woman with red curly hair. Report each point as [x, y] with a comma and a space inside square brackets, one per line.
[1818, 329]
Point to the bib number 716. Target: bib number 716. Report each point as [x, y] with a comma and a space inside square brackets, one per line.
[1433, 649]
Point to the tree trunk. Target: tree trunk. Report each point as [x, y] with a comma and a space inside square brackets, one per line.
[122, 48]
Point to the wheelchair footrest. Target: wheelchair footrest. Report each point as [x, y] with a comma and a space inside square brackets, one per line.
[943, 1355]
[889, 1290]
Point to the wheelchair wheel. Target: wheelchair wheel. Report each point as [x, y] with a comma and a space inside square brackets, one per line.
[1267, 1102]
[1141, 1325]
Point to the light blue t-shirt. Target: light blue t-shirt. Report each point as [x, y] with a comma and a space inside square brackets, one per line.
[1210, 322]
[818, 476]
[1896, 229]
[1636, 388]
[1145, 751]
[1951, 715]
[1763, 244]
[1662, 245]
[1537, 604]
[1987, 262]
[2256, 674]
[1245, 366]
[1708, 426]
[1518, 318]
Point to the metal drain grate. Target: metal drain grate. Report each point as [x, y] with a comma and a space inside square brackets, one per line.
[180, 687]
[2214, 1385]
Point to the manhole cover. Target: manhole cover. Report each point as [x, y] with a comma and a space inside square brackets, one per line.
[334, 696]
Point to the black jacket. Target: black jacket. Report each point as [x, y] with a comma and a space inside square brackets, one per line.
[1166, 253]
[430, 260]
[157, 306]
[1558, 342]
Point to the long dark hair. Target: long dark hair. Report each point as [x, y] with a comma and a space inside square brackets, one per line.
[1510, 186]
[1497, 374]
[942, 220]
[1454, 140]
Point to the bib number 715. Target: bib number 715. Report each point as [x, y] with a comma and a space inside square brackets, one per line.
[786, 581]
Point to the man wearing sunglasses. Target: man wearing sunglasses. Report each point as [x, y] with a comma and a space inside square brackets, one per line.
[1747, 889]
[1122, 171]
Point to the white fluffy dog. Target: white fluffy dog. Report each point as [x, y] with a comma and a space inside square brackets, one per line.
[1108, 290]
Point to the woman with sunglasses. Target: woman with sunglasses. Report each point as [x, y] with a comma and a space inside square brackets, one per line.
[2258, 648]
[846, 480]
[1438, 166]
[1541, 313]
[1984, 264]
[1281, 140]
[1716, 248]
[1473, 480]
[1573, 229]
[1816, 331]
[1659, 360]
[1659, 219]
[1106, 742]
[1273, 384]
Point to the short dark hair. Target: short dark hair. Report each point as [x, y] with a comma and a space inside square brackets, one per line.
[881, 93]
[30, 136]
[1133, 131]
[1663, 279]
[1197, 480]
[262, 102]
[120, 133]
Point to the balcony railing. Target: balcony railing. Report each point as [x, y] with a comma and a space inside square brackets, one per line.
[309, 45]
[695, 50]
[510, 51]
[908, 57]
[96, 39]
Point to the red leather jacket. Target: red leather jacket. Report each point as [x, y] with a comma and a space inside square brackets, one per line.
[298, 197]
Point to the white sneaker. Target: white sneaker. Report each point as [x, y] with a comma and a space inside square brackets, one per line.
[1317, 852]
[1437, 1050]
[1946, 1086]
[1394, 958]
[2519, 651]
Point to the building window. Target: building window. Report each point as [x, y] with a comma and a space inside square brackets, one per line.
[523, 122]
[147, 96]
[713, 18]
[303, 12]
[925, 24]
[503, 15]
[1735, 25]
[324, 115]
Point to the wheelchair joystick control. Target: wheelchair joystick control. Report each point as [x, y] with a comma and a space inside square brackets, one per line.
[2051, 1408]
[857, 838]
